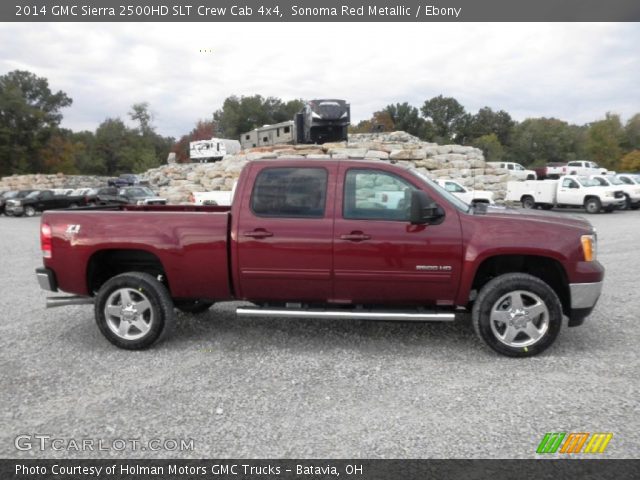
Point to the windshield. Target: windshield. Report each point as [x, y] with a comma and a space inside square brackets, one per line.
[9, 194]
[614, 180]
[451, 198]
[33, 194]
[587, 182]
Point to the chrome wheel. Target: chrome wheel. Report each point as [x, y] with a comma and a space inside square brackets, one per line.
[128, 313]
[519, 319]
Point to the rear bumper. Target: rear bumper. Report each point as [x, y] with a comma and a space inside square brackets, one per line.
[584, 297]
[47, 279]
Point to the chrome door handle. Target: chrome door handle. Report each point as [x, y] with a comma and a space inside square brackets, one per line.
[356, 237]
[258, 233]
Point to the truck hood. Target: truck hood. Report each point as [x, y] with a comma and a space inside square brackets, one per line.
[549, 218]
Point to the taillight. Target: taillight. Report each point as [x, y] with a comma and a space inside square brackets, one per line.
[46, 240]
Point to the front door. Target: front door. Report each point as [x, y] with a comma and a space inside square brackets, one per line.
[285, 232]
[379, 257]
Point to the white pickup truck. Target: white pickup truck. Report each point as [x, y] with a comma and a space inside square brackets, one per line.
[516, 170]
[631, 192]
[467, 195]
[219, 198]
[585, 168]
[568, 191]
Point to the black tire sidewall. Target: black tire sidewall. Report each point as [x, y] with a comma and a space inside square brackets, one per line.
[161, 305]
[502, 285]
[594, 201]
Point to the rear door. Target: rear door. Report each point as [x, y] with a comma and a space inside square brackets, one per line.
[283, 238]
[379, 257]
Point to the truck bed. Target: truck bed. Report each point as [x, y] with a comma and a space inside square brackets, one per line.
[189, 242]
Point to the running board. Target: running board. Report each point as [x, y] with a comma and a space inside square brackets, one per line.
[345, 314]
[53, 302]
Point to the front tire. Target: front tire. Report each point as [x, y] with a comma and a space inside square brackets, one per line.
[517, 315]
[29, 211]
[592, 205]
[134, 310]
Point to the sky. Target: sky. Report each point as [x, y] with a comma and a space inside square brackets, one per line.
[573, 71]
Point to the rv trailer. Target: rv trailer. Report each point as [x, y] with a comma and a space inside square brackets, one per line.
[319, 121]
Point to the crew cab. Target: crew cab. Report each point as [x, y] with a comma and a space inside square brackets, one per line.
[468, 195]
[631, 192]
[41, 200]
[307, 239]
[585, 168]
[568, 191]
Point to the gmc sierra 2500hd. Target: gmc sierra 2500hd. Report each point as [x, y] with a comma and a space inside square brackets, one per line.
[308, 239]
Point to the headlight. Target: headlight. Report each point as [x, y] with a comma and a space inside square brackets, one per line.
[140, 202]
[315, 115]
[589, 247]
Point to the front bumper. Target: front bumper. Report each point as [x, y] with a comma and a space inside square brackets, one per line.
[584, 297]
[15, 210]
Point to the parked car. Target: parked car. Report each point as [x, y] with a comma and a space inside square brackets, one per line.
[629, 178]
[568, 191]
[468, 195]
[585, 168]
[12, 194]
[39, 201]
[631, 192]
[303, 240]
[124, 180]
[515, 169]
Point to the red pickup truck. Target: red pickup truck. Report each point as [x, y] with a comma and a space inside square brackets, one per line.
[327, 239]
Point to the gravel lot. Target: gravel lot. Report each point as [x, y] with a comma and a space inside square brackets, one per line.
[285, 388]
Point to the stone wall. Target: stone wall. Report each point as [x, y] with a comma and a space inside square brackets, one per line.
[464, 164]
[176, 181]
[45, 182]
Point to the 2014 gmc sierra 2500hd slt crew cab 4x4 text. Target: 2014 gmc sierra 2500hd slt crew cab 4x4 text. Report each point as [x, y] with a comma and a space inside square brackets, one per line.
[310, 239]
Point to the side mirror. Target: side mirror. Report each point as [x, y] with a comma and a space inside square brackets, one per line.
[424, 210]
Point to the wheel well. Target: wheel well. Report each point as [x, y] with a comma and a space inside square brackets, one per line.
[106, 264]
[589, 197]
[546, 269]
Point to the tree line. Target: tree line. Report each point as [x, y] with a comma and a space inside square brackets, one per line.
[31, 139]
[532, 142]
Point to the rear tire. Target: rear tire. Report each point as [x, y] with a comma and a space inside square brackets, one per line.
[134, 310]
[517, 315]
[528, 202]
